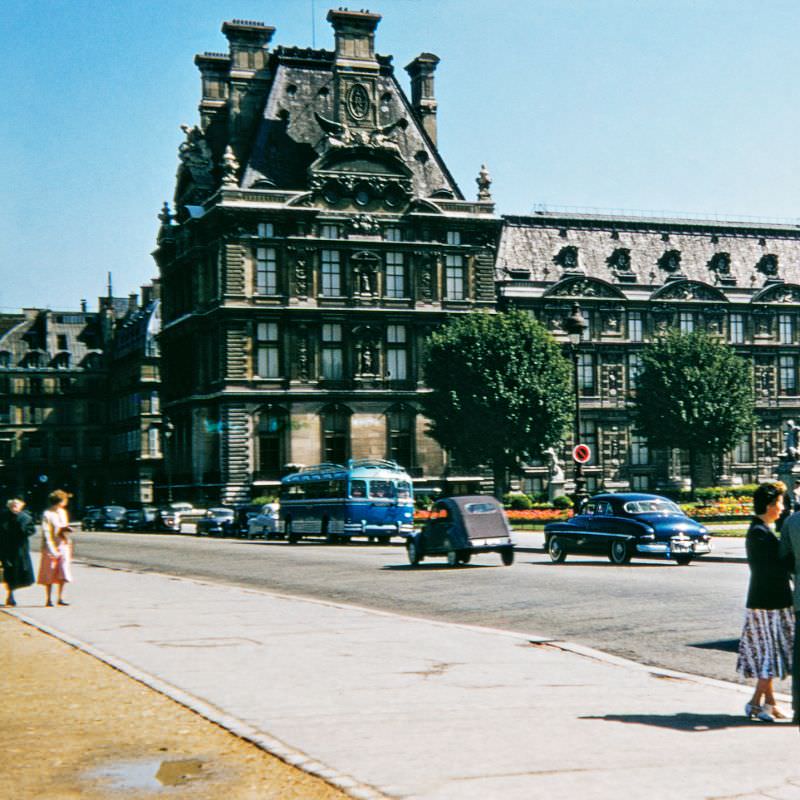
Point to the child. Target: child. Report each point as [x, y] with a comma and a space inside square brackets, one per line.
[64, 560]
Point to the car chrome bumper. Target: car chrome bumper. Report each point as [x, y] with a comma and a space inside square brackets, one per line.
[679, 547]
[357, 529]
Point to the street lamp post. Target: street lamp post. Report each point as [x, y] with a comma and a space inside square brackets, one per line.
[168, 429]
[574, 325]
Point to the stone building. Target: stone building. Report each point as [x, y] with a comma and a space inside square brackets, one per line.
[52, 403]
[136, 429]
[634, 277]
[317, 237]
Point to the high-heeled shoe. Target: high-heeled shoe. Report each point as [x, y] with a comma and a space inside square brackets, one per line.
[751, 709]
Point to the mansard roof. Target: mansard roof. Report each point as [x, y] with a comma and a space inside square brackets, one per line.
[290, 137]
[666, 258]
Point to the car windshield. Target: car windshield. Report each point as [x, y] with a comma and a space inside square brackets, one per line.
[114, 511]
[220, 512]
[653, 506]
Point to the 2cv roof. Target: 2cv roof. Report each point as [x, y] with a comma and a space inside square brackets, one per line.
[479, 515]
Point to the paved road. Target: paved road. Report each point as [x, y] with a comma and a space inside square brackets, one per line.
[683, 618]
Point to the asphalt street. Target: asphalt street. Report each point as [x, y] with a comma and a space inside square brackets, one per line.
[656, 613]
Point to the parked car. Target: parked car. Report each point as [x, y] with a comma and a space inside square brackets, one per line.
[460, 527]
[167, 520]
[242, 516]
[104, 518]
[625, 525]
[140, 519]
[266, 523]
[216, 522]
[91, 518]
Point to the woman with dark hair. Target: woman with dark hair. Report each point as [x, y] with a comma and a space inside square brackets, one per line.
[16, 527]
[765, 646]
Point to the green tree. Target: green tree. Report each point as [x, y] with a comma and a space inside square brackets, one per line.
[500, 390]
[694, 393]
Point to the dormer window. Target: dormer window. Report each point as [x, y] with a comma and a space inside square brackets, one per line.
[768, 265]
[5, 359]
[329, 231]
[567, 257]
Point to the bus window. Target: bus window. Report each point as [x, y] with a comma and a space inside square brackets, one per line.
[381, 489]
[403, 490]
[335, 488]
[358, 488]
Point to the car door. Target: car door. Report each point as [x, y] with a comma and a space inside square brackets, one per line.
[603, 527]
[437, 531]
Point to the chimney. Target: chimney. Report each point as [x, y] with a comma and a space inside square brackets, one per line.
[133, 301]
[355, 38]
[247, 80]
[83, 305]
[423, 100]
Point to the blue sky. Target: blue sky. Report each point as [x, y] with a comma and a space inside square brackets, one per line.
[612, 104]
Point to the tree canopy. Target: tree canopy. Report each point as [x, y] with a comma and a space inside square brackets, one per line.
[694, 393]
[500, 390]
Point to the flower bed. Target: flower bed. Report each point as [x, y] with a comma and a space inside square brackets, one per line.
[528, 515]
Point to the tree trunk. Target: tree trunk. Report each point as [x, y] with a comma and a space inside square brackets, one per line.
[692, 466]
[500, 481]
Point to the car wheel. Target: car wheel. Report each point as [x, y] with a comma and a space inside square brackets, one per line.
[619, 552]
[508, 556]
[291, 536]
[556, 551]
[683, 560]
[465, 557]
[452, 558]
[414, 552]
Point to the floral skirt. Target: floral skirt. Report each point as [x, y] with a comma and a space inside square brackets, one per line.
[765, 647]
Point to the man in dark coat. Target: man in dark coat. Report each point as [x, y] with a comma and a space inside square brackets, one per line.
[16, 527]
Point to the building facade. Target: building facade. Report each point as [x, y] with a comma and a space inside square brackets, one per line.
[317, 238]
[635, 277]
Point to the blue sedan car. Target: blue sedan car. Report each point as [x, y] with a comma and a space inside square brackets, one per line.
[621, 526]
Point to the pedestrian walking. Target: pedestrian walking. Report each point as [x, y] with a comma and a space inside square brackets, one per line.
[790, 550]
[56, 551]
[16, 527]
[765, 646]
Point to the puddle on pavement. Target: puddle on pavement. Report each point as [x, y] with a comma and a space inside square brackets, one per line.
[152, 774]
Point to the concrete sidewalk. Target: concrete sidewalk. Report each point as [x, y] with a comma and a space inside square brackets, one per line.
[385, 705]
[724, 548]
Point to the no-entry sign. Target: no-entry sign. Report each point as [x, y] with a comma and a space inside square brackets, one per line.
[581, 453]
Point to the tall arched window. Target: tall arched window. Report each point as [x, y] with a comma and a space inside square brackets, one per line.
[400, 429]
[335, 434]
[271, 441]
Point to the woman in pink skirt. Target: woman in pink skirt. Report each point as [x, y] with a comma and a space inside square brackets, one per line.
[56, 557]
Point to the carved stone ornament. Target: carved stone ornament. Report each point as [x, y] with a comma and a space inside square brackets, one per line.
[567, 257]
[165, 215]
[340, 135]
[367, 348]
[303, 371]
[194, 153]
[425, 263]
[782, 293]
[358, 102]
[720, 263]
[768, 265]
[670, 261]
[301, 269]
[688, 290]
[230, 168]
[364, 223]
[484, 181]
[620, 260]
[583, 287]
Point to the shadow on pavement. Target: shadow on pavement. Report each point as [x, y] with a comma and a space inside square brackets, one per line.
[691, 723]
[726, 645]
[442, 565]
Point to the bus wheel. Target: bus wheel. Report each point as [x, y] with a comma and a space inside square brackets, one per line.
[291, 536]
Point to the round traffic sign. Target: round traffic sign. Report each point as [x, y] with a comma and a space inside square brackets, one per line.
[581, 453]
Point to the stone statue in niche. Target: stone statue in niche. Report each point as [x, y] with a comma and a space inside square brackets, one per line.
[555, 473]
[365, 282]
[791, 442]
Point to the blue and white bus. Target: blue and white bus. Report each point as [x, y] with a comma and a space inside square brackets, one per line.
[365, 497]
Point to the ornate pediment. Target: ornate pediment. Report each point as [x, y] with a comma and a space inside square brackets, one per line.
[778, 293]
[688, 290]
[581, 286]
